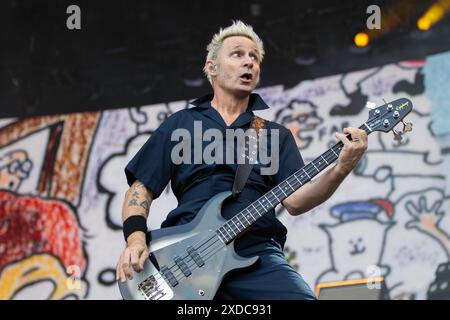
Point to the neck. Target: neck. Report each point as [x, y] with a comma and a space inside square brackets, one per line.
[229, 106]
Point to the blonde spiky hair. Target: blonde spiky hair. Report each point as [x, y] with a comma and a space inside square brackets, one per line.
[238, 28]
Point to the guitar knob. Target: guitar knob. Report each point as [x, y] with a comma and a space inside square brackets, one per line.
[397, 135]
[407, 126]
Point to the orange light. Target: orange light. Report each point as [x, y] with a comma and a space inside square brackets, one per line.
[361, 39]
[434, 14]
[423, 23]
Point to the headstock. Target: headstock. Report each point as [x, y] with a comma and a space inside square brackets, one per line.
[387, 116]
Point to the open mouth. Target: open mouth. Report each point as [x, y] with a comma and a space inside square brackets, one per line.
[246, 77]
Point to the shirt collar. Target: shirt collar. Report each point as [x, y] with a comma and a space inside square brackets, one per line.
[255, 102]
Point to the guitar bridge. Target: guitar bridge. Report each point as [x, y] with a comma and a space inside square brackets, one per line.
[155, 288]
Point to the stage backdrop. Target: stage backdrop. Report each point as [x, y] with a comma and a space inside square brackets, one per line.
[62, 186]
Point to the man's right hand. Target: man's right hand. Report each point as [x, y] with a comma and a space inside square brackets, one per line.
[133, 256]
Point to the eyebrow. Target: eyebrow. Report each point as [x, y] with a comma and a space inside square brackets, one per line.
[239, 46]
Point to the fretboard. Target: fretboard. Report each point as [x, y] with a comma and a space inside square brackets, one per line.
[245, 218]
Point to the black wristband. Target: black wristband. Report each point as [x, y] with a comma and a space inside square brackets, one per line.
[133, 224]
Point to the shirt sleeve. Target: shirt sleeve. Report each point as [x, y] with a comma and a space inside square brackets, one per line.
[290, 157]
[152, 164]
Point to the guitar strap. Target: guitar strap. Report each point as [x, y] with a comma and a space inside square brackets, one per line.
[244, 169]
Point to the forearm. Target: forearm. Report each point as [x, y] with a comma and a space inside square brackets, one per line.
[315, 192]
[137, 202]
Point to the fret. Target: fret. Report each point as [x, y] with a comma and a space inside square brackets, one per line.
[248, 215]
[255, 209]
[290, 185]
[234, 223]
[239, 222]
[315, 166]
[365, 124]
[262, 205]
[221, 236]
[276, 197]
[228, 229]
[242, 215]
[268, 201]
[258, 203]
[282, 191]
[334, 152]
[324, 160]
[229, 235]
[295, 175]
[306, 173]
[285, 188]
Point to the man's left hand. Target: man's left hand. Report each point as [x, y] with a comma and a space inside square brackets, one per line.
[353, 149]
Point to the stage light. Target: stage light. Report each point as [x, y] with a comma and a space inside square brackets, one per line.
[434, 13]
[361, 39]
[423, 23]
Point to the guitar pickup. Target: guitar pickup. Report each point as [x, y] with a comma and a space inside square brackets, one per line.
[183, 266]
[195, 256]
[169, 276]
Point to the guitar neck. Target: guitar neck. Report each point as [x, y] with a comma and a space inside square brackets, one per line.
[245, 218]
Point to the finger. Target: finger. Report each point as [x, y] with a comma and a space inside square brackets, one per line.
[142, 259]
[436, 206]
[135, 260]
[411, 208]
[343, 138]
[354, 133]
[363, 136]
[122, 275]
[126, 264]
[412, 224]
[422, 203]
[118, 269]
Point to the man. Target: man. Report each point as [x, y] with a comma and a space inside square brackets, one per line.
[233, 68]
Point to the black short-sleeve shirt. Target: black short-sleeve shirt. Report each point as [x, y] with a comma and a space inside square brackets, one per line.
[195, 183]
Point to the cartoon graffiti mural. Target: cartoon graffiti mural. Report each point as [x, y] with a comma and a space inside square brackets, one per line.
[62, 187]
[357, 240]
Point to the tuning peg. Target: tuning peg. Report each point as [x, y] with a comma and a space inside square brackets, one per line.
[398, 135]
[407, 126]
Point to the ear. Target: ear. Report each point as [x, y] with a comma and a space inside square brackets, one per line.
[211, 67]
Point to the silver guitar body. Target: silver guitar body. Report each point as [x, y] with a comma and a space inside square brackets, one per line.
[168, 243]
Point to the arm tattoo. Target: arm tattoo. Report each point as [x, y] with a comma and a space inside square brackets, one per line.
[145, 205]
[135, 195]
[133, 200]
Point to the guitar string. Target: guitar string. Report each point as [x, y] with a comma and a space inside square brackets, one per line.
[214, 248]
[277, 188]
[310, 171]
[278, 193]
[324, 155]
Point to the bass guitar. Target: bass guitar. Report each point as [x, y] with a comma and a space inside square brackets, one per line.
[188, 262]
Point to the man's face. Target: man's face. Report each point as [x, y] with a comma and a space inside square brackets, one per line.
[238, 63]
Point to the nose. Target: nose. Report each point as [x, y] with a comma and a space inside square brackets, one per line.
[248, 62]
